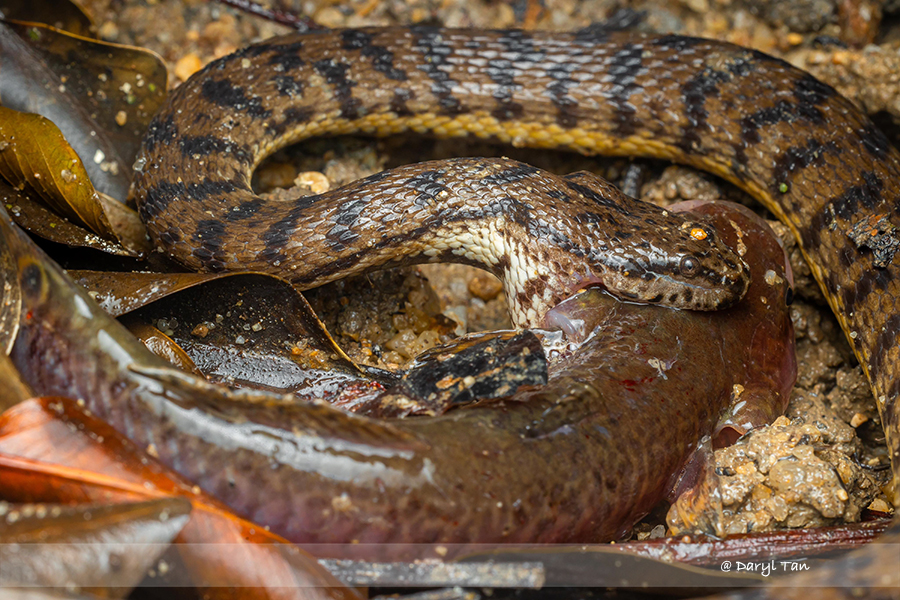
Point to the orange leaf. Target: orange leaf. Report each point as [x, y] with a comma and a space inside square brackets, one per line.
[52, 451]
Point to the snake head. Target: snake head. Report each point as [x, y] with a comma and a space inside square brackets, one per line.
[680, 263]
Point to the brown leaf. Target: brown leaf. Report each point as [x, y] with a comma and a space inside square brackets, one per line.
[126, 225]
[101, 96]
[60, 14]
[32, 215]
[35, 155]
[230, 324]
[51, 451]
[122, 293]
[161, 345]
[103, 550]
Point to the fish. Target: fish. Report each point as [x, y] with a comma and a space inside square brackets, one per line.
[631, 391]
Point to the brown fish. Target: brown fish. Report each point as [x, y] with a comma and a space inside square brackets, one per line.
[579, 459]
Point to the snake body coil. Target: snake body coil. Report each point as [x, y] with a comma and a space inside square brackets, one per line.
[789, 140]
[545, 236]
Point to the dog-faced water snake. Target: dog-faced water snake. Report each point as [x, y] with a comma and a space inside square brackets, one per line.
[544, 236]
[790, 140]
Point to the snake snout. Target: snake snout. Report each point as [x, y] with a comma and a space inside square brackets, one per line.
[717, 279]
[732, 289]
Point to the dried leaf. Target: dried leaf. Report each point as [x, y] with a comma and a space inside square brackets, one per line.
[127, 226]
[60, 14]
[32, 215]
[161, 345]
[101, 96]
[34, 154]
[599, 566]
[103, 550]
[122, 293]
[229, 324]
[51, 451]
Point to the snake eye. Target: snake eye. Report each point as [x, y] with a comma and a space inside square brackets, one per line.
[789, 296]
[689, 266]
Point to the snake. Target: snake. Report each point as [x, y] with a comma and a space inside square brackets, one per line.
[791, 141]
[544, 236]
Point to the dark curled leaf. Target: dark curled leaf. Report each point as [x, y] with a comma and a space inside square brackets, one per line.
[101, 96]
[31, 214]
[601, 566]
[60, 14]
[242, 328]
[121, 293]
[253, 331]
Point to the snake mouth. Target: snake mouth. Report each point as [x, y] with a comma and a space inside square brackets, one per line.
[712, 291]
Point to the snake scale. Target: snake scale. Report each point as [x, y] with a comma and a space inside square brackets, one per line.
[791, 141]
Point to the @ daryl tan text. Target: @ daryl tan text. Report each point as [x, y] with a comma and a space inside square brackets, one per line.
[764, 567]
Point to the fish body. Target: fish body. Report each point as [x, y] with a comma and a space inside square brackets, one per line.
[579, 459]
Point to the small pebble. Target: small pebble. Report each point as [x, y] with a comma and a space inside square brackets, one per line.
[109, 31]
[485, 287]
[880, 505]
[315, 181]
[858, 419]
[276, 175]
[187, 65]
[329, 16]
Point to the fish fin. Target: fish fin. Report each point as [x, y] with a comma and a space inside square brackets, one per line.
[698, 504]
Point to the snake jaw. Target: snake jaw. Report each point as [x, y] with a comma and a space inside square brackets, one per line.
[705, 275]
[704, 279]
